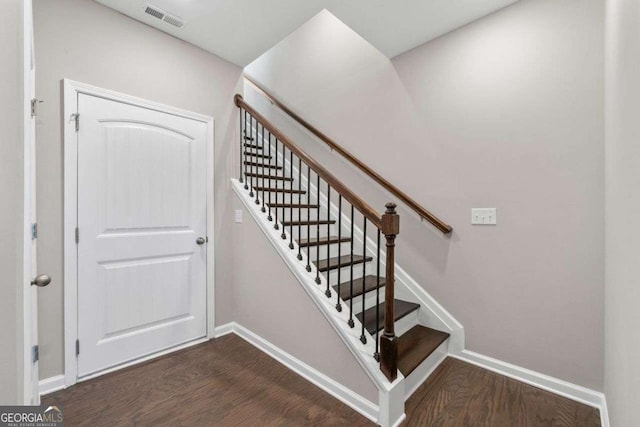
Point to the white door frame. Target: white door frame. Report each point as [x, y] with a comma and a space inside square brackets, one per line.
[28, 294]
[71, 91]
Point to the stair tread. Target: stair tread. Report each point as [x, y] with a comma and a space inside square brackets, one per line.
[416, 345]
[361, 285]
[262, 165]
[293, 205]
[312, 222]
[401, 309]
[267, 176]
[253, 146]
[314, 241]
[343, 261]
[280, 190]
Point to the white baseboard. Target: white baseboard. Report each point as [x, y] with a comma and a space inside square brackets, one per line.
[557, 386]
[223, 330]
[337, 390]
[604, 413]
[49, 385]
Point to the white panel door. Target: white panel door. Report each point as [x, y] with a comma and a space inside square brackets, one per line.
[141, 211]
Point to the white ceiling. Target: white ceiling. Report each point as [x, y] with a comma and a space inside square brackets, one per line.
[241, 30]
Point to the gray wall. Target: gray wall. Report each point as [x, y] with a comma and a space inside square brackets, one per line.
[11, 208]
[506, 112]
[87, 42]
[622, 349]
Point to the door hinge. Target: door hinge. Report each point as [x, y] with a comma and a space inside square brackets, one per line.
[34, 106]
[35, 354]
[34, 231]
[77, 347]
[76, 118]
[77, 235]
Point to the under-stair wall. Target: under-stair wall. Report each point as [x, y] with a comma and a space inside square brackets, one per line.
[269, 301]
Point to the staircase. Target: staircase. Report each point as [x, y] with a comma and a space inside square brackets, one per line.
[344, 251]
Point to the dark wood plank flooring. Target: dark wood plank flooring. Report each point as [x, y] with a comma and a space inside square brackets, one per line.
[228, 382]
[460, 394]
[224, 382]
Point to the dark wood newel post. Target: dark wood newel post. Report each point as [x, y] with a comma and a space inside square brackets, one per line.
[388, 341]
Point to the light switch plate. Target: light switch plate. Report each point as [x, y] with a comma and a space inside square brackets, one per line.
[484, 216]
[238, 217]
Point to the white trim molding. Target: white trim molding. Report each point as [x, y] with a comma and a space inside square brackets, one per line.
[70, 95]
[350, 398]
[49, 385]
[604, 413]
[548, 383]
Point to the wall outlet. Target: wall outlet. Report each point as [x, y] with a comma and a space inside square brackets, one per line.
[238, 217]
[484, 216]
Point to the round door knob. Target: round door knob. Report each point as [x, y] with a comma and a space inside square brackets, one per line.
[41, 280]
[200, 240]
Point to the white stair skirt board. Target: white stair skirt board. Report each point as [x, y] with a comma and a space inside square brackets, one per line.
[338, 320]
[348, 397]
[431, 313]
[557, 386]
[51, 384]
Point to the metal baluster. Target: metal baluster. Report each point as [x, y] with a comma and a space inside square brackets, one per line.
[255, 156]
[351, 323]
[300, 207]
[318, 281]
[363, 338]
[284, 195]
[291, 199]
[270, 218]
[253, 174]
[308, 218]
[242, 141]
[328, 291]
[263, 209]
[338, 305]
[276, 226]
[376, 355]
[244, 137]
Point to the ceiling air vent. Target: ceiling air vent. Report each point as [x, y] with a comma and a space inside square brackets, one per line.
[153, 11]
[170, 19]
[174, 20]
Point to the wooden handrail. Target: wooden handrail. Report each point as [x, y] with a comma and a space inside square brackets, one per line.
[422, 212]
[362, 206]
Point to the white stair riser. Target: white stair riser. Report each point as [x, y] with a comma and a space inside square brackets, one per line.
[281, 198]
[323, 252]
[359, 270]
[424, 370]
[300, 232]
[301, 214]
[403, 325]
[369, 300]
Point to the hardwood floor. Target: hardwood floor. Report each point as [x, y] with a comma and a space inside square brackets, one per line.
[224, 382]
[228, 382]
[460, 394]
